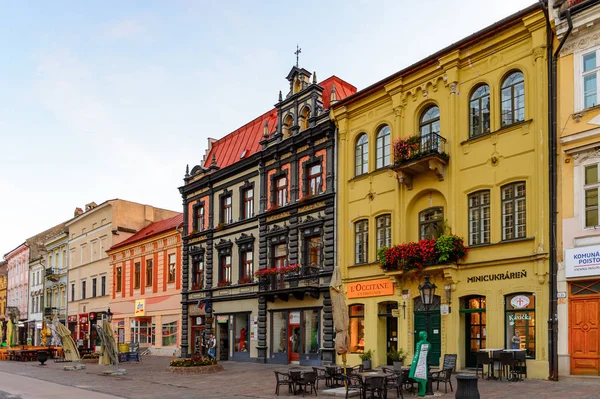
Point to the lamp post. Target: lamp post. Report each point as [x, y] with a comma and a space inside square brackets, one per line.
[109, 315]
[427, 291]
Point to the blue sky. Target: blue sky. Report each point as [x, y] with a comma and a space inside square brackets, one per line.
[112, 99]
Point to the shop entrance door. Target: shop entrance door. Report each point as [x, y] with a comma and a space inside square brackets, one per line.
[475, 328]
[294, 335]
[584, 315]
[391, 335]
[197, 341]
[223, 341]
[434, 333]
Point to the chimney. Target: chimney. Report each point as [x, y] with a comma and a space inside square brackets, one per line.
[90, 206]
[78, 211]
[149, 214]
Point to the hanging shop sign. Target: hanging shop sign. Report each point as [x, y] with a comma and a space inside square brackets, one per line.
[444, 309]
[222, 319]
[140, 307]
[497, 276]
[520, 302]
[363, 289]
[582, 262]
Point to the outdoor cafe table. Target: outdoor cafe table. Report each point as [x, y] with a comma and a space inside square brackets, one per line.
[365, 375]
[494, 361]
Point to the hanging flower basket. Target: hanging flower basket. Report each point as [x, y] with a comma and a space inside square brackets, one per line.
[406, 148]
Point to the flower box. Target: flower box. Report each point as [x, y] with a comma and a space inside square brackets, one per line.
[224, 283]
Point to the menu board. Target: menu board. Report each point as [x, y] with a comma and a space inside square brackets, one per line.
[421, 369]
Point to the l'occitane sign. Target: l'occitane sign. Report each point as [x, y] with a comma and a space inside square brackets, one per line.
[364, 289]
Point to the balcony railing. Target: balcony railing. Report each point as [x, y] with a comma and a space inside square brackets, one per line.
[305, 277]
[53, 311]
[420, 154]
[54, 273]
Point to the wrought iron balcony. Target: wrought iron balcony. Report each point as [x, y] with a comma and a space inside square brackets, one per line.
[419, 154]
[49, 312]
[54, 273]
[304, 281]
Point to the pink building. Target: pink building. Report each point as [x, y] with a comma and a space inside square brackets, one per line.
[18, 271]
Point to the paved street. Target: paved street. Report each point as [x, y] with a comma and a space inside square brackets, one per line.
[150, 379]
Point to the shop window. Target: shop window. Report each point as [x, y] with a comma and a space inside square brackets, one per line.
[172, 268]
[384, 231]
[310, 339]
[138, 275]
[280, 321]
[118, 280]
[520, 322]
[142, 331]
[383, 147]
[431, 223]
[479, 218]
[591, 195]
[513, 99]
[242, 334]
[357, 328]
[514, 215]
[312, 251]
[279, 255]
[361, 241]
[362, 155]
[149, 272]
[169, 334]
[479, 111]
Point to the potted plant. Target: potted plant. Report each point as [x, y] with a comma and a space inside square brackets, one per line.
[366, 359]
[397, 358]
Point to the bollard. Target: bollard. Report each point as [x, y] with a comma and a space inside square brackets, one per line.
[467, 386]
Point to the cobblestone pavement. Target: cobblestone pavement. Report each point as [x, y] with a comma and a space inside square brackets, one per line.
[150, 379]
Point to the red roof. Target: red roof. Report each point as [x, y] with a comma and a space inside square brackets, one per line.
[152, 230]
[244, 141]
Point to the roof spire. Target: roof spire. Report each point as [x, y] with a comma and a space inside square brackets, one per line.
[266, 130]
[297, 52]
[187, 170]
[280, 96]
[315, 77]
[333, 95]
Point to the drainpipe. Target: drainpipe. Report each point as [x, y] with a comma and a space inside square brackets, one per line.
[552, 175]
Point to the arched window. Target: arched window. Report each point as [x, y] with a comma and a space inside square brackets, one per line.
[383, 147]
[362, 155]
[430, 121]
[513, 98]
[287, 123]
[304, 116]
[479, 111]
[431, 223]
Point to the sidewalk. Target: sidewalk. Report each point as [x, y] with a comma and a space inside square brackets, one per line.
[150, 379]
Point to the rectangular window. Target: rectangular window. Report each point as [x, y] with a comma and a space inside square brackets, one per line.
[520, 322]
[225, 272]
[479, 218]
[103, 285]
[149, 272]
[142, 331]
[83, 289]
[281, 191]
[312, 251]
[314, 179]
[280, 333]
[513, 211]
[384, 231]
[172, 268]
[590, 188]
[431, 223]
[118, 280]
[279, 255]
[361, 241]
[241, 328]
[226, 214]
[72, 291]
[248, 195]
[137, 275]
[199, 218]
[94, 293]
[198, 275]
[357, 328]
[169, 334]
[247, 265]
[310, 331]
[590, 79]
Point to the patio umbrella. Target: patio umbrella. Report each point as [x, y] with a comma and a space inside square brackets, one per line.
[109, 347]
[341, 321]
[68, 344]
[9, 333]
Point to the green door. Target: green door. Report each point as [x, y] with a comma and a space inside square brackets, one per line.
[434, 335]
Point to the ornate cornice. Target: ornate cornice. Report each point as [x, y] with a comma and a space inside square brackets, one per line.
[581, 43]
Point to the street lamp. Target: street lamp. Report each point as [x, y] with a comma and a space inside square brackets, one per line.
[427, 291]
[109, 315]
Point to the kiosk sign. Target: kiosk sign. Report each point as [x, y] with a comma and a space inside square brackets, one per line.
[582, 262]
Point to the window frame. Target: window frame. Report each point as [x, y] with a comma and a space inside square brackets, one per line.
[311, 251]
[278, 261]
[430, 223]
[513, 110]
[361, 326]
[361, 150]
[361, 236]
[247, 203]
[102, 285]
[580, 74]
[149, 275]
[119, 279]
[507, 311]
[83, 289]
[137, 275]
[383, 233]
[198, 219]
[226, 214]
[383, 142]
[172, 271]
[431, 123]
[225, 268]
[479, 100]
[590, 187]
[94, 289]
[315, 180]
[480, 208]
[197, 271]
[281, 190]
[514, 200]
[246, 265]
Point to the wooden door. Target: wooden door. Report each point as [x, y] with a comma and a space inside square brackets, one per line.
[294, 343]
[583, 335]
[433, 335]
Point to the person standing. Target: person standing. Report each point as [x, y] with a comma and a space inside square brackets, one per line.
[212, 344]
[516, 340]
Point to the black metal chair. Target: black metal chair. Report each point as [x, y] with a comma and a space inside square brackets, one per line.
[495, 358]
[376, 387]
[508, 363]
[283, 379]
[306, 381]
[353, 382]
[482, 359]
[394, 379]
[321, 375]
[521, 363]
[445, 374]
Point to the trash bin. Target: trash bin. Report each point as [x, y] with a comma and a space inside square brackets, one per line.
[467, 386]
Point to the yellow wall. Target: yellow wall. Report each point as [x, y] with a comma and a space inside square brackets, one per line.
[521, 154]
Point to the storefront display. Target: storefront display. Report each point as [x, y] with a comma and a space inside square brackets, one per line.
[520, 323]
[296, 336]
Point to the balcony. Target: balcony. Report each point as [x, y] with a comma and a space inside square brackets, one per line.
[419, 154]
[306, 281]
[54, 273]
[49, 312]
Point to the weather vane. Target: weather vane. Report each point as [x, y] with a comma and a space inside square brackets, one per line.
[297, 52]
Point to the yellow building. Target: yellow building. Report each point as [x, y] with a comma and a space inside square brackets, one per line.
[477, 168]
[3, 284]
[578, 130]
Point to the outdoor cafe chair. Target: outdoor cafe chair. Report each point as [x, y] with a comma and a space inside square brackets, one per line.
[521, 363]
[321, 375]
[445, 374]
[376, 387]
[306, 381]
[353, 382]
[482, 358]
[394, 380]
[283, 379]
[508, 363]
